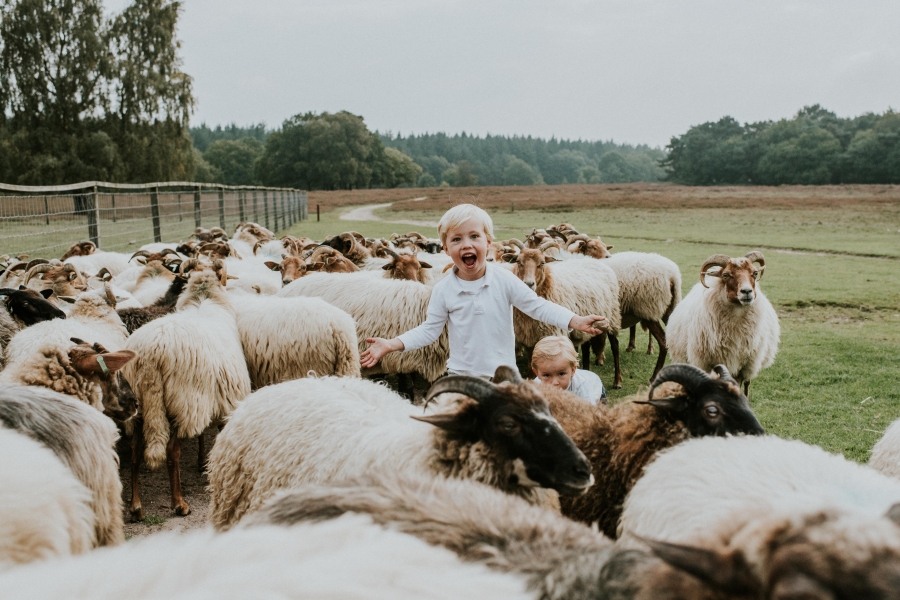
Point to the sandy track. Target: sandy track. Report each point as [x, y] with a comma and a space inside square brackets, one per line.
[367, 213]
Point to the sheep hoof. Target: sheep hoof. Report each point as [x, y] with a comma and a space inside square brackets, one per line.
[629, 348]
[137, 514]
[182, 509]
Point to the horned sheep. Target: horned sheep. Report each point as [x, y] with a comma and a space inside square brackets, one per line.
[23, 308]
[331, 428]
[82, 439]
[787, 515]
[348, 558]
[189, 372]
[727, 320]
[621, 440]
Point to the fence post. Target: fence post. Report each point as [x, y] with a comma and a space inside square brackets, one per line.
[255, 209]
[180, 216]
[112, 198]
[296, 197]
[46, 211]
[197, 206]
[283, 211]
[275, 208]
[154, 213]
[305, 200]
[266, 208]
[317, 213]
[241, 205]
[94, 218]
[222, 207]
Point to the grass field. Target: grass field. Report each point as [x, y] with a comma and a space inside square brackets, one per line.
[833, 273]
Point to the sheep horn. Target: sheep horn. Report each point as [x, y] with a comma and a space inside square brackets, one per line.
[168, 251]
[716, 260]
[110, 296]
[42, 268]
[518, 244]
[757, 257]
[392, 254]
[688, 376]
[548, 244]
[104, 273]
[139, 253]
[556, 233]
[716, 568]
[34, 262]
[188, 265]
[578, 237]
[724, 374]
[504, 373]
[474, 387]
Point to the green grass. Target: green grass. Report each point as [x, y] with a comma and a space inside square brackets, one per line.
[836, 380]
[153, 520]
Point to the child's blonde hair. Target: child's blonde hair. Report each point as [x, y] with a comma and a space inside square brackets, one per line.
[461, 213]
[552, 346]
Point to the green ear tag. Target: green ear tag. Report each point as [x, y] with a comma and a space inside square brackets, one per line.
[102, 364]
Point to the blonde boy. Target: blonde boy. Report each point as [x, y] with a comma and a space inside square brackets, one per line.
[555, 361]
[475, 301]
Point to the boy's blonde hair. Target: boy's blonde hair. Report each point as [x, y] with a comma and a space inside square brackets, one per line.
[552, 346]
[461, 213]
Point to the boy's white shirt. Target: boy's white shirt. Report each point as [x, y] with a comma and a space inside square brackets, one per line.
[584, 384]
[481, 322]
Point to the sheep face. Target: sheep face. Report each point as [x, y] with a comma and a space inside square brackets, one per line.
[406, 267]
[738, 276]
[291, 268]
[80, 249]
[821, 556]
[708, 405]
[29, 306]
[101, 367]
[513, 419]
[582, 244]
[62, 279]
[529, 267]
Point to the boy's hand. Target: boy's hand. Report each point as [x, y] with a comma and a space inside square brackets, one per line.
[379, 347]
[592, 324]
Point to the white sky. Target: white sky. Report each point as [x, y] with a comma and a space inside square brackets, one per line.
[636, 71]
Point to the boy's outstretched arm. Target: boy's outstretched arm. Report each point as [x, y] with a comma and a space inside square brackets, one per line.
[379, 347]
[592, 324]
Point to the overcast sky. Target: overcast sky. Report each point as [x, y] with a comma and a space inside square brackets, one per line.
[636, 71]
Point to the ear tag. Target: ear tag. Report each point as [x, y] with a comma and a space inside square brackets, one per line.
[102, 364]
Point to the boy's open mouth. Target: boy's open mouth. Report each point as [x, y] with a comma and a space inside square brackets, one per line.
[468, 259]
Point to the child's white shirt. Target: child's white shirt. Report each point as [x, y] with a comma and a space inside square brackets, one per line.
[585, 384]
[480, 319]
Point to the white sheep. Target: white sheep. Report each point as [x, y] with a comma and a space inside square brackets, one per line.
[727, 320]
[290, 338]
[44, 510]
[347, 558]
[189, 372]
[770, 505]
[82, 438]
[381, 308]
[325, 429]
[91, 264]
[886, 453]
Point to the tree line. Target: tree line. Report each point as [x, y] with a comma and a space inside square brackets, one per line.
[814, 147]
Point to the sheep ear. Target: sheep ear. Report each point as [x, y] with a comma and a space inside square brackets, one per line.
[610, 247]
[97, 364]
[668, 404]
[893, 513]
[424, 265]
[728, 571]
[69, 299]
[509, 257]
[504, 373]
[274, 266]
[46, 294]
[388, 266]
[457, 422]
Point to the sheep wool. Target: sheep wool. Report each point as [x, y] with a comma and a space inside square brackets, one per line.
[348, 558]
[44, 510]
[886, 453]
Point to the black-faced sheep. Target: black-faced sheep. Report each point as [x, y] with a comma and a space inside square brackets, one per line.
[331, 428]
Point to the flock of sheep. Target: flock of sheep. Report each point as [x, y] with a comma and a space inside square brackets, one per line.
[325, 482]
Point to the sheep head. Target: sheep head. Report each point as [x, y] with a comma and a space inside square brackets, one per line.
[406, 267]
[582, 244]
[144, 256]
[29, 306]
[738, 275]
[513, 419]
[534, 239]
[63, 278]
[325, 258]
[707, 403]
[210, 235]
[291, 268]
[80, 249]
[530, 268]
[97, 364]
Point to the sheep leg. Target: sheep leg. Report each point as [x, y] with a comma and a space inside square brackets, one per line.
[614, 346]
[201, 452]
[405, 386]
[656, 331]
[137, 455]
[650, 345]
[586, 355]
[747, 389]
[173, 462]
[598, 345]
[632, 339]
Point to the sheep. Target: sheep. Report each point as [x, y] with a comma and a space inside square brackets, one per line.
[886, 453]
[23, 308]
[728, 321]
[772, 505]
[381, 308]
[89, 259]
[289, 338]
[209, 235]
[561, 559]
[65, 280]
[352, 245]
[406, 267]
[329, 428]
[348, 558]
[291, 268]
[585, 287]
[82, 438]
[13, 273]
[189, 372]
[252, 233]
[93, 317]
[582, 244]
[154, 281]
[325, 258]
[621, 440]
[649, 290]
[134, 318]
[44, 510]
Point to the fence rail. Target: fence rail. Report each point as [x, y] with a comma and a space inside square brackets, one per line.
[46, 221]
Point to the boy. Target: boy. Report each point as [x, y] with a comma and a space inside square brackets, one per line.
[477, 298]
[555, 361]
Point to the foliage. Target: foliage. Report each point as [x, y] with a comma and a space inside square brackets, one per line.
[234, 160]
[519, 172]
[203, 135]
[82, 98]
[814, 147]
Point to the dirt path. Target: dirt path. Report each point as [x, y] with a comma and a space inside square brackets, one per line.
[367, 213]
